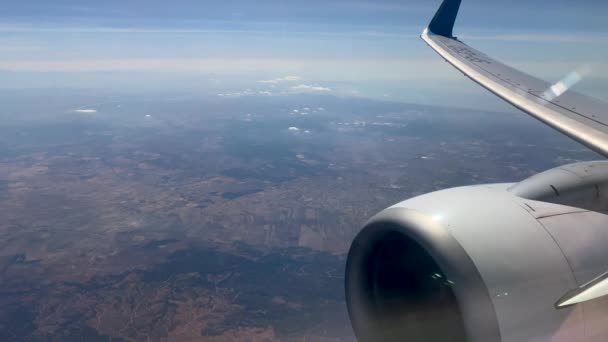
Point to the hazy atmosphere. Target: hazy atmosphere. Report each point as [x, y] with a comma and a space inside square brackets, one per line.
[353, 48]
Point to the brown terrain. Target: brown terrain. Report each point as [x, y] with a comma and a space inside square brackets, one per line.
[221, 225]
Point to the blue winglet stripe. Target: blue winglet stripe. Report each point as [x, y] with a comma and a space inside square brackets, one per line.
[443, 21]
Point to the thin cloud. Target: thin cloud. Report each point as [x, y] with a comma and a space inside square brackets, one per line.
[338, 69]
[24, 28]
[565, 38]
[87, 111]
[293, 129]
[11, 47]
[35, 28]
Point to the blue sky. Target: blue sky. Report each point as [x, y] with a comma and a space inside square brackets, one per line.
[364, 47]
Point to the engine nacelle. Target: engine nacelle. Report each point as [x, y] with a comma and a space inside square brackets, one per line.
[482, 263]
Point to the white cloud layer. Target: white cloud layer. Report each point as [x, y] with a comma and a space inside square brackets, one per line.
[282, 79]
[304, 88]
[88, 111]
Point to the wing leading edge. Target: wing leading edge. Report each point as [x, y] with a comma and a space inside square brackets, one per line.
[578, 116]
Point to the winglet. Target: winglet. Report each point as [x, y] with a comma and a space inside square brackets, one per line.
[443, 21]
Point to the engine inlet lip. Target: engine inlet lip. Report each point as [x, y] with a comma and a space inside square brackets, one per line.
[474, 301]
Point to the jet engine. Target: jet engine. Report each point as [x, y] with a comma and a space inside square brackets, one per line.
[502, 262]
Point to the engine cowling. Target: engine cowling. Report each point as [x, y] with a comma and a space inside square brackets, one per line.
[477, 263]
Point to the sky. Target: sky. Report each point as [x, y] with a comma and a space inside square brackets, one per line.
[363, 48]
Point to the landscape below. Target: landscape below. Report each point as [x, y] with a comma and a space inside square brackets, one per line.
[167, 218]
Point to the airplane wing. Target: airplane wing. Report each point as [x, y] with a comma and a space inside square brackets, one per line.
[578, 116]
